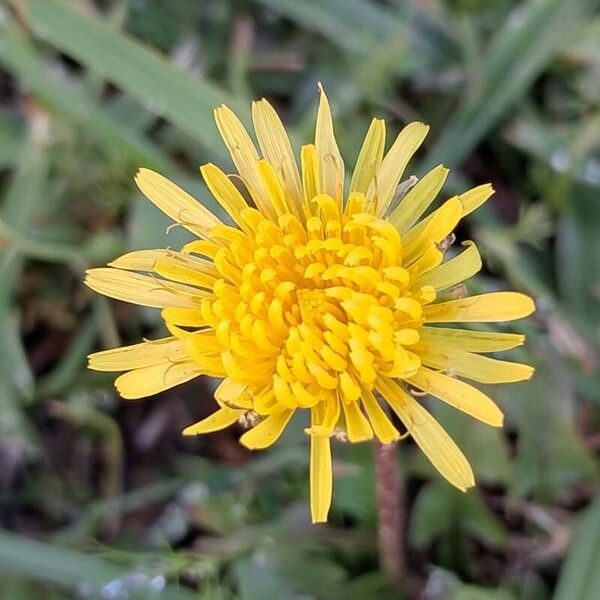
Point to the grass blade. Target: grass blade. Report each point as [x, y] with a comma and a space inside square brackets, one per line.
[528, 40]
[19, 56]
[580, 577]
[163, 87]
[68, 568]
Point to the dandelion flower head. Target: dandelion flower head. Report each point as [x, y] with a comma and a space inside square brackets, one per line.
[321, 295]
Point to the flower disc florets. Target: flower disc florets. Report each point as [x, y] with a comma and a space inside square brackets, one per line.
[317, 311]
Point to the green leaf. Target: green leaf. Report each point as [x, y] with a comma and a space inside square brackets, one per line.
[551, 456]
[580, 577]
[578, 256]
[364, 28]
[529, 38]
[280, 571]
[21, 204]
[442, 512]
[161, 86]
[20, 57]
[14, 366]
[71, 569]
[447, 586]
[484, 446]
[355, 483]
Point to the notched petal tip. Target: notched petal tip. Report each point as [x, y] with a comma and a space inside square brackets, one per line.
[468, 484]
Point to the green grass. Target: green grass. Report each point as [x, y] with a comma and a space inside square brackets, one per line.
[96, 492]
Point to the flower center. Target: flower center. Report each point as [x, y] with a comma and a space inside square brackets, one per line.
[315, 309]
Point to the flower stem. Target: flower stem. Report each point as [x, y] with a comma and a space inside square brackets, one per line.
[391, 513]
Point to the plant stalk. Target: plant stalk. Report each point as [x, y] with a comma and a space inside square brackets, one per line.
[391, 513]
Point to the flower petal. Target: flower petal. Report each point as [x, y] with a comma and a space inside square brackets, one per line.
[147, 381]
[273, 188]
[146, 354]
[224, 191]
[470, 200]
[176, 203]
[140, 260]
[221, 419]
[330, 160]
[169, 269]
[267, 432]
[472, 366]
[382, 426]
[369, 157]
[471, 341]
[441, 224]
[484, 308]
[231, 394]
[382, 189]
[474, 198]
[418, 199]
[321, 477]
[454, 271]
[140, 289]
[244, 156]
[310, 176]
[277, 149]
[458, 394]
[357, 425]
[429, 435]
[183, 317]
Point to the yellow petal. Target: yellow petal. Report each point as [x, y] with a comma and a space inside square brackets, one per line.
[485, 308]
[471, 341]
[277, 149]
[474, 198]
[225, 192]
[202, 247]
[382, 426]
[206, 352]
[184, 317]
[432, 256]
[176, 203]
[369, 157]
[244, 156]
[146, 260]
[154, 379]
[310, 175]
[458, 394]
[231, 394]
[418, 199]
[222, 418]
[321, 478]
[328, 155]
[433, 440]
[273, 188]
[454, 271]
[140, 289]
[469, 201]
[441, 224]
[357, 425]
[472, 366]
[140, 260]
[138, 355]
[382, 189]
[267, 431]
[181, 274]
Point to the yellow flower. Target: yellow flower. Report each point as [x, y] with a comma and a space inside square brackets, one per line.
[318, 297]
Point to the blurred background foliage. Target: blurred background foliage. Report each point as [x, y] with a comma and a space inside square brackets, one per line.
[103, 499]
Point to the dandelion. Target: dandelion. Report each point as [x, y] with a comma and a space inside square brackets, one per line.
[317, 296]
